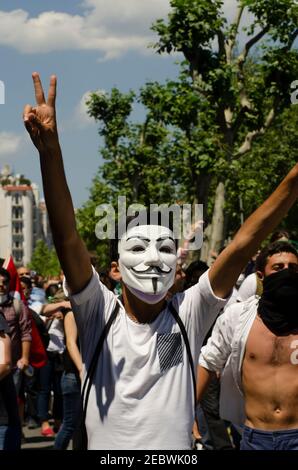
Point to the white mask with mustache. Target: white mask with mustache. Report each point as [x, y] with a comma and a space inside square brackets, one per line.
[147, 261]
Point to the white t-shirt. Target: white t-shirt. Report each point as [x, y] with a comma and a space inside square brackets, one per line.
[143, 398]
[248, 287]
[56, 332]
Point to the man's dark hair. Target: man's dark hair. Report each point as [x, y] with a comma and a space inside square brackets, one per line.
[272, 249]
[278, 235]
[4, 273]
[196, 266]
[51, 290]
[27, 281]
[114, 254]
[194, 272]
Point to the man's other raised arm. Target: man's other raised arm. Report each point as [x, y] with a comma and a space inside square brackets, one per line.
[40, 122]
[225, 271]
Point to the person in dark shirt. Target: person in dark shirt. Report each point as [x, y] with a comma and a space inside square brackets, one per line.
[10, 427]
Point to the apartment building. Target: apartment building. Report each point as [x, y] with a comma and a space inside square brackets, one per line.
[23, 217]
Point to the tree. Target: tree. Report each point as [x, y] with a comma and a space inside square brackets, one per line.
[137, 162]
[254, 180]
[134, 153]
[198, 132]
[165, 159]
[245, 96]
[44, 260]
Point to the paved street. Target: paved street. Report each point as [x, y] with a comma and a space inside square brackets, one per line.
[34, 440]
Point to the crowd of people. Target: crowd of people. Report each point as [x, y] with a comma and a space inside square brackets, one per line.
[49, 397]
[158, 354]
[49, 390]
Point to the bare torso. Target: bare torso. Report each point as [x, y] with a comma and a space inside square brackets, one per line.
[270, 379]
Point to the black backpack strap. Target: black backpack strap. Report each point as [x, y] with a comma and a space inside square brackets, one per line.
[190, 359]
[91, 370]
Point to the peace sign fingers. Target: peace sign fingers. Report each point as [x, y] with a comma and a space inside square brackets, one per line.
[39, 95]
[52, 91]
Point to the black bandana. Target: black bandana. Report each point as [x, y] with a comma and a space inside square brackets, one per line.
[278, 306]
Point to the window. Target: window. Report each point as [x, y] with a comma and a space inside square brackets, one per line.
[17, 255]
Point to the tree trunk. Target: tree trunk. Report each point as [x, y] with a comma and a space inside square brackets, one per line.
[206, 243]
[202, 190]
[217, 228]
[202, 185]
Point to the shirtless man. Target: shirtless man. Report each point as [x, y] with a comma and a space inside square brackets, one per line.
[137, 401]
[258, 340]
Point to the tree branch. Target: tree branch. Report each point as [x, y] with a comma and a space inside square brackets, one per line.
[242, 57]
[221, 119]
[251, 136]
[221, 43]
[244, 100]
[240, 117]
[291, 40]
[234, 28]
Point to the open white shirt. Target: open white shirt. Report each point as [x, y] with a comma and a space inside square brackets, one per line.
[224, 353]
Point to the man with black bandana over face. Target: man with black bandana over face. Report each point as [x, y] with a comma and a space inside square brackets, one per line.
[142, 397]
[255, 344]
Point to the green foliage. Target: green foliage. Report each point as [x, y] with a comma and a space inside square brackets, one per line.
[221, 75]
[246, 90]
[100, 193]
[259, 173]
[192, 23]
[137, 154]
[280, 15]
[113, 111]
[44, 260]
[201, 128]
[24, 180]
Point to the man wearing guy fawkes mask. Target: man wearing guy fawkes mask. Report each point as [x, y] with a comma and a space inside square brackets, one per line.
[264, 358]
[141, 396]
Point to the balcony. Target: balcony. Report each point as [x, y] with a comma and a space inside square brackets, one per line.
[18, 234]
[18, 237]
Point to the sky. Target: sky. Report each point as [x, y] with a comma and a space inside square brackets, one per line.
[89, 45]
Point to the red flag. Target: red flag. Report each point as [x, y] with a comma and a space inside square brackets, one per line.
[38, 355]
[14, 285]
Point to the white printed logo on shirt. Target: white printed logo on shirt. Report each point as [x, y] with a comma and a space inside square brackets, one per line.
[169, 347]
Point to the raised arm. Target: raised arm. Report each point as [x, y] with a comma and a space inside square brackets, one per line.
[225, 271]
[40, 122]
[71, 334]
[49, 309]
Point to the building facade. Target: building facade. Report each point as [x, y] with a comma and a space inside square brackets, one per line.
[23, 217]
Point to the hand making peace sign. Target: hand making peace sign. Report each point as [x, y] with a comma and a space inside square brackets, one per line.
[40, 120]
